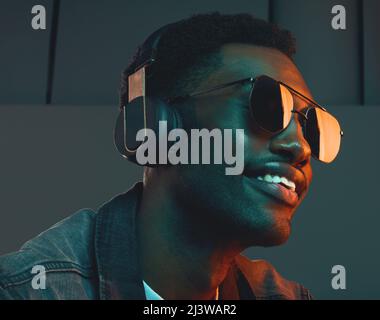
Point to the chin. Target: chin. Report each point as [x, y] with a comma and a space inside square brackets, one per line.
[269, 234]
[275, 240]
[277, 235]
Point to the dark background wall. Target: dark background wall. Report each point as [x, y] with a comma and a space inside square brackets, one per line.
[58, 101]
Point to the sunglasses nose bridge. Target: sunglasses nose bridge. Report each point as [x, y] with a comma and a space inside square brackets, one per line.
[302, 121]
[303, 115]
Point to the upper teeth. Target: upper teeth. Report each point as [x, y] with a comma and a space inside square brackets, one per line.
[277, 179]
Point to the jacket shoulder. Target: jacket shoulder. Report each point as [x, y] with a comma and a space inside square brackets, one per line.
[63, 251]
[267, 283]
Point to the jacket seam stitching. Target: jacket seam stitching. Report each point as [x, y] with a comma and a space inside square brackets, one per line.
[102, 288]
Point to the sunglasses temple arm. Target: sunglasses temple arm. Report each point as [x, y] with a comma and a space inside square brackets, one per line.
[199, 93]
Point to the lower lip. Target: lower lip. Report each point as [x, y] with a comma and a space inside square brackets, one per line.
[275, 190]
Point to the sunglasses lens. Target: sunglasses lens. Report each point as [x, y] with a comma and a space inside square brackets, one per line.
[287, 105]
[271, 104]
[323, 134]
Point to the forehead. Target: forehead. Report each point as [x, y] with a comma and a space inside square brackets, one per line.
[240, 61]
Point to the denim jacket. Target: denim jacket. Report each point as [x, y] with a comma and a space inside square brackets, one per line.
[93, 255]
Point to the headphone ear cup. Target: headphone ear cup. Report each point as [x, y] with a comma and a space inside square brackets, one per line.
[137, 115]
[157, 110]
[130, 120]
[119, 135]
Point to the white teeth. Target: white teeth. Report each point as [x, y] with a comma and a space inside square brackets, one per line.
[268, 178]
[292, 185]
[277, 179]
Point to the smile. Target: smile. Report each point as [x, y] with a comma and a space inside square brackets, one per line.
[275, 190]
[281, 181]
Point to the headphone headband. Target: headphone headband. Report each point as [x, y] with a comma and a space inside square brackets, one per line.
[148, 50]
[141, 111]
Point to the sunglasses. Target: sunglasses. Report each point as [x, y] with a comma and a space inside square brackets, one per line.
[271, 104]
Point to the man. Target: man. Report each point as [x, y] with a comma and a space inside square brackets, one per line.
[179, 234]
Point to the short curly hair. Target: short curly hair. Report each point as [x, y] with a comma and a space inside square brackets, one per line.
[191, 44]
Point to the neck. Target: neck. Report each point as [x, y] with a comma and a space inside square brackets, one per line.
[179, 257]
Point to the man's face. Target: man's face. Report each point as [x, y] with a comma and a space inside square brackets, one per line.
[236, 206]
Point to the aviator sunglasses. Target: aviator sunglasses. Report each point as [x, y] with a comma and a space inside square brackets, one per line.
[271, 104]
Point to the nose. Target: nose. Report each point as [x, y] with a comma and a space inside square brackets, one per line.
[291, 145]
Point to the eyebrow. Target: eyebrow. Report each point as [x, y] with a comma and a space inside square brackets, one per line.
[206, 91]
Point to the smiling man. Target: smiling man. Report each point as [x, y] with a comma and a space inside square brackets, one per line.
[179, 234]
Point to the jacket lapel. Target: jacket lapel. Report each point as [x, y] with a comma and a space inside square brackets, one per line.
[236, 286]
[116, 248]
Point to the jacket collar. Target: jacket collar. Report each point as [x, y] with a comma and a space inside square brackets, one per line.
[117, 254]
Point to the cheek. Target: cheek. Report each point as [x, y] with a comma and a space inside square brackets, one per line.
[256, 145]
[255, 142]
[309, 177]
[309, 173]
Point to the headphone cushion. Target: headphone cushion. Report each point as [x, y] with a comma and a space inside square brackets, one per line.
[131, 119]
[157, 110]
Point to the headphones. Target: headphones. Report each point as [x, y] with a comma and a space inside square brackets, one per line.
[142, 111]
